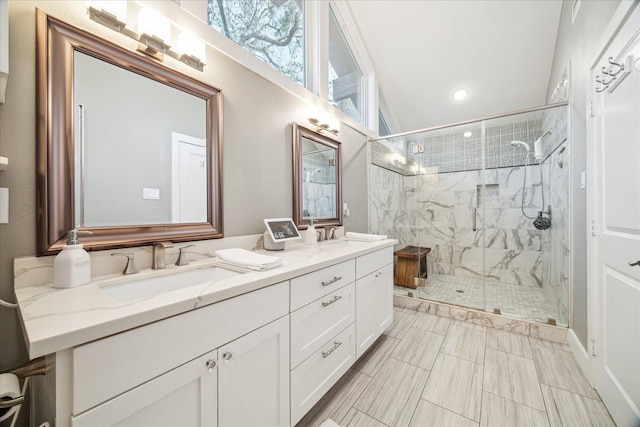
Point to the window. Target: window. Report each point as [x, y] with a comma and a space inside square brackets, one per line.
[272, 30]
[383, 127]
[345, 76]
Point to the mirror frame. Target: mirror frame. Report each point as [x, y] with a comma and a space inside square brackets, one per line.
[56, 42]
[300, 132]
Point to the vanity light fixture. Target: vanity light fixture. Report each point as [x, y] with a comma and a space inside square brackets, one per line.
[324, 122]
[398, 159]
[153, 32]
[112, 14]
[191, 49]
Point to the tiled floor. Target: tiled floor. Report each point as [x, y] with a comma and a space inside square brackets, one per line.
[428, 371]
[523, 302]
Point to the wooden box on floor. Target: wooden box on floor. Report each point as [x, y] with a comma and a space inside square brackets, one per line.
[412, 263]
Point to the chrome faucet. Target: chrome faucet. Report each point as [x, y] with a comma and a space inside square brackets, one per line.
[157, 261]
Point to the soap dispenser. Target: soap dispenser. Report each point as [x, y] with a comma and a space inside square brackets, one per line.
[310, 238]
[72, 266]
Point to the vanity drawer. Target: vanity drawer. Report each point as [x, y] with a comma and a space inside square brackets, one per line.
[310, 287]
[369, 263]
[316, 375]
[315, 323]
[105, 368]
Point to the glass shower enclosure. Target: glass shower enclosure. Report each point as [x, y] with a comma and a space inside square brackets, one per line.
[486, 204]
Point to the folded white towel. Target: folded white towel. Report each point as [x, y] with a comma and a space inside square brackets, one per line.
[248, 259]
[362, 237]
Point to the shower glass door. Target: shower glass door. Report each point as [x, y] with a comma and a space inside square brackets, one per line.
[463, 199]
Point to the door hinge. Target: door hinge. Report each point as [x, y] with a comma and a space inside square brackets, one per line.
[591, 114]
[593, 228]
[592, 344]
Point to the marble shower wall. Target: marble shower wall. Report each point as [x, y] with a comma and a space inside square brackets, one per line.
[504, 245]
[318, 186]
[435, 208]
[387, 203]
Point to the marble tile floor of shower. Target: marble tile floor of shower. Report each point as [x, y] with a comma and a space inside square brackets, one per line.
[524, 302]
[432, 371]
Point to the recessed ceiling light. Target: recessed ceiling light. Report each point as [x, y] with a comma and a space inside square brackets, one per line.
[460, 94]
[467, 134]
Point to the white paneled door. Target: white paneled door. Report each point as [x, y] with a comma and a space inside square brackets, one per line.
[615, 277]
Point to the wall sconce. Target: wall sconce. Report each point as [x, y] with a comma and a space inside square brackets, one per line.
[324, 122]
[398, 159]
[153, 32]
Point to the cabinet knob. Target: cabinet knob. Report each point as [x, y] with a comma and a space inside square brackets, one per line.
[227, 355]
[211, 364]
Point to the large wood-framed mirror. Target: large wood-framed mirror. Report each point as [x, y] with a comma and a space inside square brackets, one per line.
[317, 178]
[127, 148]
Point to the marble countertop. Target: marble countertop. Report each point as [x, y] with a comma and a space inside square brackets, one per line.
[57, 319]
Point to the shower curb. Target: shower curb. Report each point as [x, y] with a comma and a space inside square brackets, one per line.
[523, 327]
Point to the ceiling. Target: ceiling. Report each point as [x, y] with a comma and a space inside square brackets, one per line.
[501, 52]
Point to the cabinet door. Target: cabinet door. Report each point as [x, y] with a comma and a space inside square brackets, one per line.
[253, 378]
[186, 395]
[383, 300]
[374, 307]
[365, 313]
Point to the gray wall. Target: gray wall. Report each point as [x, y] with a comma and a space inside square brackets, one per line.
[128, 124]
[257, 149]
[576, 45]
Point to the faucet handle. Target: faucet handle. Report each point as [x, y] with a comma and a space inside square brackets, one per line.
[331, 233]
[182, 257]
[163, 244]
[130, 268]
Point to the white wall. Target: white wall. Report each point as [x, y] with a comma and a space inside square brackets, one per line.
[575, 47]
[257, 148]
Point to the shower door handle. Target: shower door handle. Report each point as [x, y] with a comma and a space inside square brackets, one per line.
[473, 218]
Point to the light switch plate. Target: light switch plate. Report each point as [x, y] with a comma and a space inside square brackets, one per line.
[4, 205]
[151, 193]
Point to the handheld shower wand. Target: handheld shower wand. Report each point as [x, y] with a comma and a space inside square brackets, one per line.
[540, 222]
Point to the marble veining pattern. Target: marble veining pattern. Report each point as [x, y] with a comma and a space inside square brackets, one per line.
[506, 388]
[434, 202]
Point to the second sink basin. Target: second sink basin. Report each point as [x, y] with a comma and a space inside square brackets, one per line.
[151, 286]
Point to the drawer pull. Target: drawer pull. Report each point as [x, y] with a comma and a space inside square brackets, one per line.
[331, 301]
[227, 355]
[335, 279]
[211, 364]
[336, 344]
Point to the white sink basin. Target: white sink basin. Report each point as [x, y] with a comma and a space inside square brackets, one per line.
[151, 286]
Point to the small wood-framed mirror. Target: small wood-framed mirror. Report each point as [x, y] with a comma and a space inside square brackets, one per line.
[317, 178]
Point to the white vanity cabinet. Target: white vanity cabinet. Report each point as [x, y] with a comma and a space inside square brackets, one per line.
[322, 333]
[262, 356]
[253, 378]
[226, 363]
[374, 297]
[186, 395]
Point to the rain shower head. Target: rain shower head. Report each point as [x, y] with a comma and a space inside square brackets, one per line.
[524, 144]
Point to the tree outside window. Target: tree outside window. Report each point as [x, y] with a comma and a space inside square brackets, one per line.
[272, 30]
